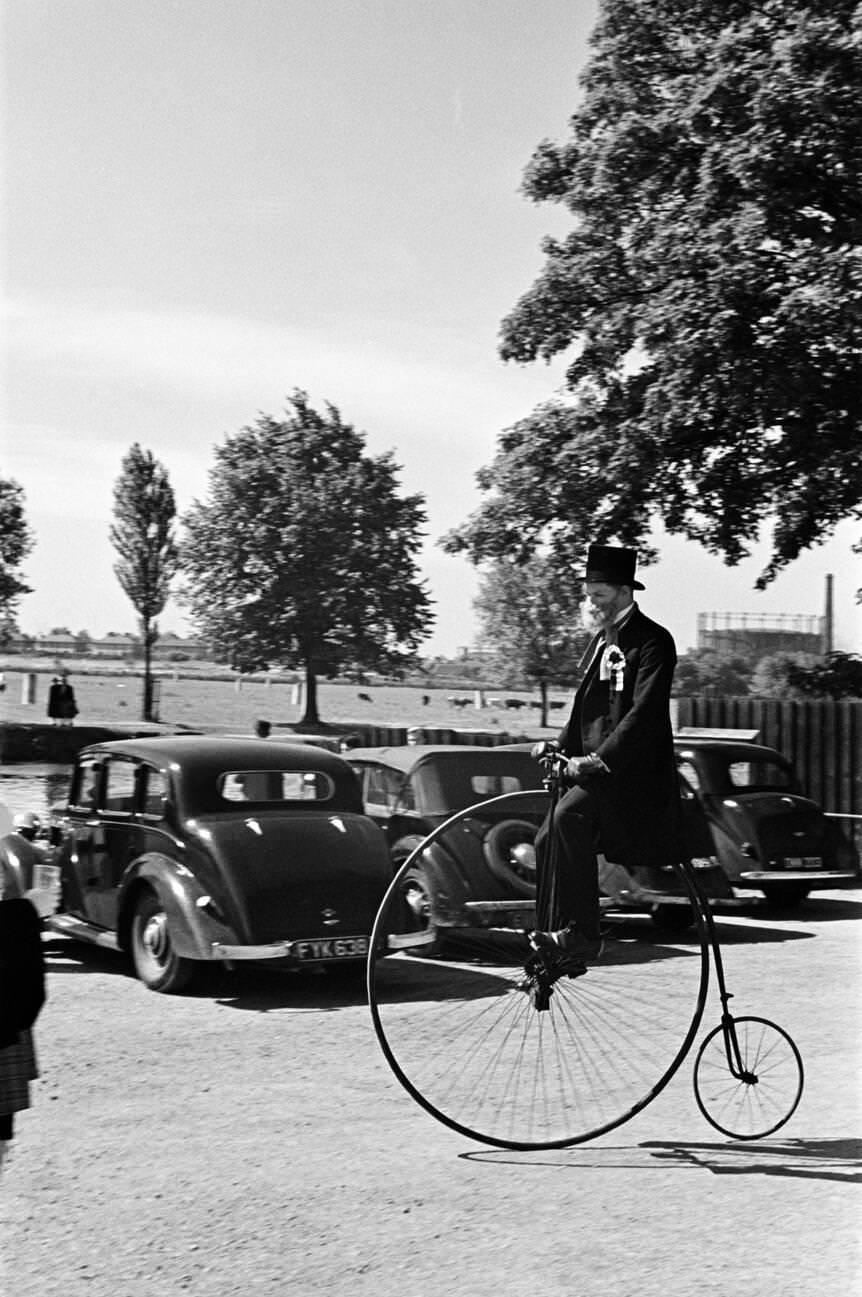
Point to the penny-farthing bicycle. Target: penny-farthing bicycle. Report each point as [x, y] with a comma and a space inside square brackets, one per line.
[500, 1042]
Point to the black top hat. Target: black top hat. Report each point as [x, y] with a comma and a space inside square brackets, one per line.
[612, 565]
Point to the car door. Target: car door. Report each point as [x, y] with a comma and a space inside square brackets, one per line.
[105, 841]
[86, 842]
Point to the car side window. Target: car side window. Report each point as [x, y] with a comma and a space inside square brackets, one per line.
[120, 786]
[86, 784]
[495, 785]
[382, 787]
[689, 777]
[153, 792]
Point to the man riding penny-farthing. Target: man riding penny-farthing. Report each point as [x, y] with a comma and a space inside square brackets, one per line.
[555, 1033]
[623, 797]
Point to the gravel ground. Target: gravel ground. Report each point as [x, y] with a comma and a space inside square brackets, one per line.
[250, 1139]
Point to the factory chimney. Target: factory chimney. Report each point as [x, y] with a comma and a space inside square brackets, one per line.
[828, 619]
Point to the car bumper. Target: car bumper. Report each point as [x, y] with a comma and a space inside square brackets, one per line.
[315, 950]
[815, 878]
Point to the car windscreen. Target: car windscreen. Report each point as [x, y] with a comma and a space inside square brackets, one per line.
[452, 783]
[275, 787]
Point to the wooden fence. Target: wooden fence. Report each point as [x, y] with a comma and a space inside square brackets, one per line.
[822, 738]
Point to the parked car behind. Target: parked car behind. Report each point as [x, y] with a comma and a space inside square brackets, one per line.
[766, 834]
[482, 871]
[187, 851]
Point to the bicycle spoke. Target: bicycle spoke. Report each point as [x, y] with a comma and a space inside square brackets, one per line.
[515, 1058]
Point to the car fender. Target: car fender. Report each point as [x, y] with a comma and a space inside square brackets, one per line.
[193, 930]
[404, 847]
[445, 881]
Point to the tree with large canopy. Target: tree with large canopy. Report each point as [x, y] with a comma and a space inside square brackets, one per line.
[142, 533]
[16, 542]
[305, 554]
[530, 616]
[709, 294]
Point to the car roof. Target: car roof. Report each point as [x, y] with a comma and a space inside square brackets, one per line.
[407, 756]
[216, 752]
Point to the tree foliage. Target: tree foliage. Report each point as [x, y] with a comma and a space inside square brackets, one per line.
[16, 542]
[531, 616]
[771, 675]
[838, 675]
[143, 536]
[706, 671]
[304, 554]
[710, 288]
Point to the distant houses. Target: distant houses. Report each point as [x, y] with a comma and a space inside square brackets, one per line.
[62, 643]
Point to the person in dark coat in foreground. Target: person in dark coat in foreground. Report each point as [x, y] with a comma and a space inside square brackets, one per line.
[624, 800]
[22, 994]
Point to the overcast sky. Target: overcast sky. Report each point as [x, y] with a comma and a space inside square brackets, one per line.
[208, 203]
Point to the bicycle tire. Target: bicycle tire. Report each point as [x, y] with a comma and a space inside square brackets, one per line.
[745, 1108]
[466, 1038]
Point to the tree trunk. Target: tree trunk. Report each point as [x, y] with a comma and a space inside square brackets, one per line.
[543, 696]
[147, 711]
[310, 715]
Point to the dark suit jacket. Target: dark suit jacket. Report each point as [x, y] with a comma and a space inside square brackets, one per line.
[22, 969]
[631, 731]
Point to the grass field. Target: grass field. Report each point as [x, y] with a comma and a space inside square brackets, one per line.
[224, 705]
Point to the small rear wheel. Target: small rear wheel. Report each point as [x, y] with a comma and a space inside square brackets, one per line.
[753, 1093]
[156, 961]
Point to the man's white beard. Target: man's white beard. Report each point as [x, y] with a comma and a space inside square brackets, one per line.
[591, 619]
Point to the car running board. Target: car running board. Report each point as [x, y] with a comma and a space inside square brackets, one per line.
[82, 931]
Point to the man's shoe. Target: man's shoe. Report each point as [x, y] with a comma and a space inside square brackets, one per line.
[568, 944]
[574, 945]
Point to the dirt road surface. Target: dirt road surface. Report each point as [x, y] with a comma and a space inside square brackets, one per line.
[251, 1140]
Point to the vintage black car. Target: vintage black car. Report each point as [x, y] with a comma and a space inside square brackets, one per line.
[746, 826]
[481, 871]
[185, 851]
[765, 833]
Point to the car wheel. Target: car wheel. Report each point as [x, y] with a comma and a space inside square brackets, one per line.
[156, 962]
[785, 896]
[416, 906]
[672, 918]
[511, 855]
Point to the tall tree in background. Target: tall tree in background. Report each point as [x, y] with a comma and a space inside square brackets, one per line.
[711, 288]
[305, 555]
[529, 612]
[143, 536]
[16, 542]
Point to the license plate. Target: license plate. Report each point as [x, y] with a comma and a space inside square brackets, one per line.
[803, 862]
[330, 948]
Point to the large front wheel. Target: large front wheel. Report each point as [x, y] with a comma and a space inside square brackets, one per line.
[503, 1049]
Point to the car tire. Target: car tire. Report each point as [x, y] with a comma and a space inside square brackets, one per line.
[499, 842]
[672, 918]
[416, 906]
[785, 896]
[156, 961]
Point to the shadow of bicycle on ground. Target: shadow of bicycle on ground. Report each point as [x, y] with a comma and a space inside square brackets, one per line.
[834, 1160]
